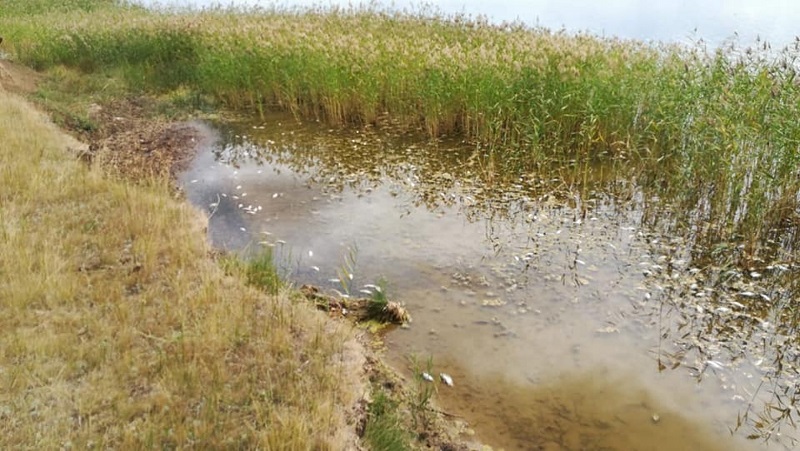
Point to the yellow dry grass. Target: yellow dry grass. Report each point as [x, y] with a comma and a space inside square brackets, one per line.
[118, 331]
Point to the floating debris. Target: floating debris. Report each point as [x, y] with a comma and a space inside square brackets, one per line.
[608, 330]
[493, 302]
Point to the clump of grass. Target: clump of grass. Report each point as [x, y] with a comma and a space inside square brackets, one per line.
[258, 270]
[384, 430]
[423, 391]
[381, 309]
[346, 271]
[378, 302]
[118, 331]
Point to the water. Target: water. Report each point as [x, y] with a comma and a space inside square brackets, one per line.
[676, 21]
[565, 322]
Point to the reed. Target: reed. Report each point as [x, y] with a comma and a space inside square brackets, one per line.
[711, 131]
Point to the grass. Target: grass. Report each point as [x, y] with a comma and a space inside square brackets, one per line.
[257, 270]
[712, 132]
[384, 430]
[119, 331]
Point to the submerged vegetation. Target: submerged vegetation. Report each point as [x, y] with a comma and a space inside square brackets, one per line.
[713, 130]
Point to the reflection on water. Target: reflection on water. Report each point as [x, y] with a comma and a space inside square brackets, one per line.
[564, 322]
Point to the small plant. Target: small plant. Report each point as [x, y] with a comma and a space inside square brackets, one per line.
[378, 302]
[383, 430]
[261, 272]
[381, 309]
[424, 389]
[346, 272]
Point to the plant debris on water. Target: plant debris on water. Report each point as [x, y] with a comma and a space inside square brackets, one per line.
[715, 316]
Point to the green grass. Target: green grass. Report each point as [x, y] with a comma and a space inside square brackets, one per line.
[712, 133]
[384, 431]
[257, 270]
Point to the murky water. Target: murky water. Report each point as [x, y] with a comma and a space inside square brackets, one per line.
[555, 313]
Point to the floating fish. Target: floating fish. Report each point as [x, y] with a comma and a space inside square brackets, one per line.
[427, 377]
[446, 379]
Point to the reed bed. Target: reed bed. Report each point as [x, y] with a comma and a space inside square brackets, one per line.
[711, 132]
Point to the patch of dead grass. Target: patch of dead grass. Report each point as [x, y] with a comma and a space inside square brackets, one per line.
[119, 331]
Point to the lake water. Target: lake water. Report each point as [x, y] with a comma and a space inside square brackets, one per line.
[565, 321]
[668, 21]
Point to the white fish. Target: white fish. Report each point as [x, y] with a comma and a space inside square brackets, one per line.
[446, 379]
[427, 377]
[310, 253]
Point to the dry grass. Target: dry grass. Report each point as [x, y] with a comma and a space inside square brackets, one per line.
[118, 331]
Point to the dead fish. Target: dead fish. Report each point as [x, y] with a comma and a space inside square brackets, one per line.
[427, 377]
[446, 379]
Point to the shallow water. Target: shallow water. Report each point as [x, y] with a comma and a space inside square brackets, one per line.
[547, 307]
